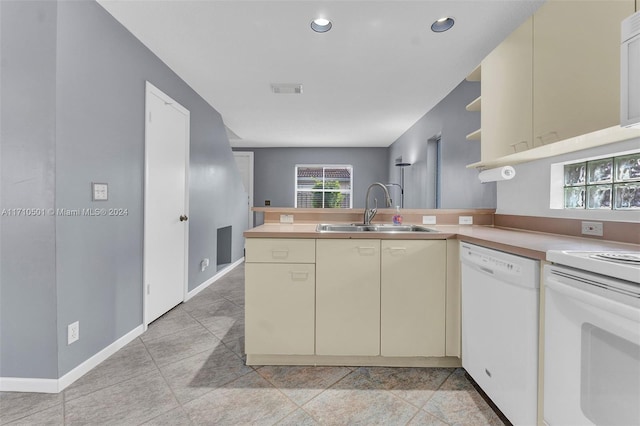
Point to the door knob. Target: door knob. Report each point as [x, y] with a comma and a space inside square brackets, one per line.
[183, 218]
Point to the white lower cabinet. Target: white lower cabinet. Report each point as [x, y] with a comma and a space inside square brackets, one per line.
[413, 298]
[280, 303]
[348, 297]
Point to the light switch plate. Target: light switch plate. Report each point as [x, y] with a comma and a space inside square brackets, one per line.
[100, 191]
[465, 220]
[428, 220]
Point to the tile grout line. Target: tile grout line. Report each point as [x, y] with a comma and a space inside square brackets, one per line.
[282, 393]
[64, 407]
[211, 390]
[112, 384]
[2, 422]
[434, 394]
[326, 389]
[301, 407]
[164, 379]
[221, 340]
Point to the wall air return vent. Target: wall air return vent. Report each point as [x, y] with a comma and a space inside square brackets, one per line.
[286, 88]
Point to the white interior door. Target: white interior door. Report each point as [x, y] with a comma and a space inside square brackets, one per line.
[244, 160]
[166, 228]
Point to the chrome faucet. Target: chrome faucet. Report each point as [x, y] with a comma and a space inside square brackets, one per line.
[369, 214]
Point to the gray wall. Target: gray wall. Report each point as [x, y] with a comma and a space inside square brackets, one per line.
[97, 109]
[459, 186]
[27, 151]
[274, 171]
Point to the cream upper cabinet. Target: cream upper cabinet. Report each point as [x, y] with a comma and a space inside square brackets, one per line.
[576, 67]
[506, 88]
[555, 77]
[413, 298]
[348, 297]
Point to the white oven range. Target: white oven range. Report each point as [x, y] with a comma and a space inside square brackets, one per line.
[592, 338]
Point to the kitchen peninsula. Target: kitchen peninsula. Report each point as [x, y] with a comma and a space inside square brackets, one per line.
[369, 298]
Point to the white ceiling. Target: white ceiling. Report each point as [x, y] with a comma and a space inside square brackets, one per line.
[365, 82]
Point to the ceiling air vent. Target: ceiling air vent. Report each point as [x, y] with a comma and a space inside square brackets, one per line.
[286, 88]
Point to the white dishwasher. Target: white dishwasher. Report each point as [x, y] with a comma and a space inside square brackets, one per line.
[500, 298]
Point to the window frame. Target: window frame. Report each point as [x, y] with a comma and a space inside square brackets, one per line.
[324, 167]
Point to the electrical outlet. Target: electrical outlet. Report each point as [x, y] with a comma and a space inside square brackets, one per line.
[592, 228]
[465, 220]
[286, 218]
[73, 332]
[428, 220]
[204, 264]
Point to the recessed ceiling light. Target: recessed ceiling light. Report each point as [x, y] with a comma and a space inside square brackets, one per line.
[321, 25]
[442, 24]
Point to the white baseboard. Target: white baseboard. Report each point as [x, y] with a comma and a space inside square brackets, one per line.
[18, 384]
[95, 360]
[214, 278]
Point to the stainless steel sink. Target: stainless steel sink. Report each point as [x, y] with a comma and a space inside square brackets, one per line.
[358, 227]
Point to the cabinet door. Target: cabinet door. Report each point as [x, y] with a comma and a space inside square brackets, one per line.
[348, 297]
[576, 73]
[279, 310]
[507, 95]
[413, 286]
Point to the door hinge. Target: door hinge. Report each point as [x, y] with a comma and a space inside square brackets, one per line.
[148, 288]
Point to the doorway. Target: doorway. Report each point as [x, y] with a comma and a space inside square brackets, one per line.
[244, 160]
[433, 172]
[166, 204]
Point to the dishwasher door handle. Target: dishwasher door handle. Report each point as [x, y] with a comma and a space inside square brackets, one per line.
[487, 270]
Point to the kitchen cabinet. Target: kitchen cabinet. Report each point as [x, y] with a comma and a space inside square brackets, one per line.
[327, 300]
[507, 94]
[348, 297]
[555, 77]
[413, 275]
[280, 296]
[576, 70]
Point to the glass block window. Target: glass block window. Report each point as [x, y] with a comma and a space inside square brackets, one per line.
[605, 183]
[324, 186]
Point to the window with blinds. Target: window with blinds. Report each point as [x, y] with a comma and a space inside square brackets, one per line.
[324, 186]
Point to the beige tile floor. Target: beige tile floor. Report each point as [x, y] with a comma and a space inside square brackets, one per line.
[188, 369]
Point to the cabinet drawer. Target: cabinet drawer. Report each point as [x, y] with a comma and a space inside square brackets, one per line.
[280, 250]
